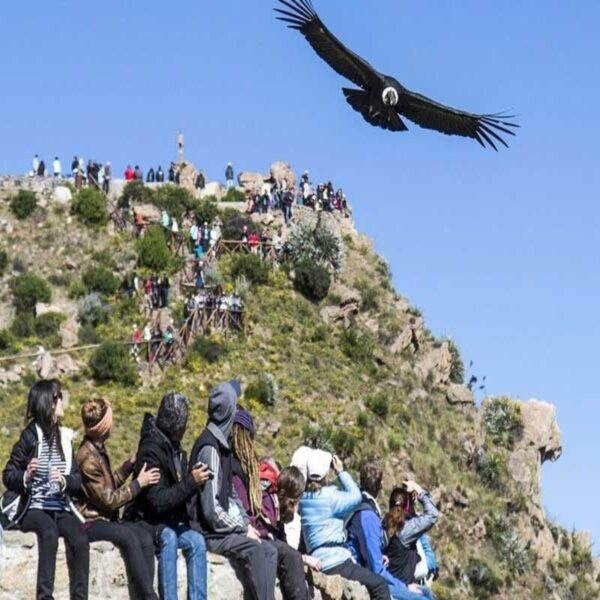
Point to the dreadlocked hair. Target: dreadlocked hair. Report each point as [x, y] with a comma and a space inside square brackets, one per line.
[396, 516]
[243, 447]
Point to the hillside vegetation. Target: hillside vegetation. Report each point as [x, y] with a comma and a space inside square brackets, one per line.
[336, 359]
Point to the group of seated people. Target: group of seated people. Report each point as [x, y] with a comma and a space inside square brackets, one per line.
[270, 522]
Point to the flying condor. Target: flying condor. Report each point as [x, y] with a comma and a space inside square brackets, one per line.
[382, 99]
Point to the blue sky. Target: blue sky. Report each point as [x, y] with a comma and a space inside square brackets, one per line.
[500, 250]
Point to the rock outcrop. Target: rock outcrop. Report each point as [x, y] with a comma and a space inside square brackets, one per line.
[18, 565]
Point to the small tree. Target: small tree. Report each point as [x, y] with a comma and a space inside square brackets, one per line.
[28, 289]
[175, 200]
[111, 362]
[234, 223]
[316, 243]
[252, 267]
[312, 280]
[136, 191]
[23, 204]
[89, 205]
[206, 211]
[101, 280]
[7, 341]
[153, 251]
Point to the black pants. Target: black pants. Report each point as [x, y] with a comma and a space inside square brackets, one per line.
[290, 570]
[257, 561]
[49, 526]
[377, 586]
[137, 548]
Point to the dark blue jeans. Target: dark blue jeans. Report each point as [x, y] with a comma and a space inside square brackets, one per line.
[194, 549]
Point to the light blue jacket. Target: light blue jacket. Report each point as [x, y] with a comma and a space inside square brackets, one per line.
[322, 514]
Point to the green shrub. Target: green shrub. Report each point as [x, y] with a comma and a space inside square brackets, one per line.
[362, 420]
[48, 324]
[343, 443]
[136, 192]
[60, 279]
[208, 349]
[234, 195]
[264, 389]
[369, 295]
[88, 335]
[394, 442]
[101, 280]
[379, 405]
[483, 579]
[77, 290]
[89, 205]
[153, 251]
[175, 200]
[317, 244]
[512, 552]
[111, 362]
[252, 267]
[8, 344]
[206, 211]
[23, 325]
[357, 345]
[492, 469]
[233, 223]
[23, 204]
[312, 280]
[28, 289]
[92, 311]
[3, 262]
[503, 421]
[457, 368]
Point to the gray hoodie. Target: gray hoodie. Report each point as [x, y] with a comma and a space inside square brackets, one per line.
[222, 405]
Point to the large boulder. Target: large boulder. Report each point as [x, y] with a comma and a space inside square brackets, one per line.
[459, 394]
[409, 337]
[18, 565]
[213, 188]
[437, 361]
[251, 182]
[62, 195]
[281, 171]
[345, 309]
[187, 177]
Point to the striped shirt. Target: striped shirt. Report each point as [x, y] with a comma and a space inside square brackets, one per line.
[44, 494]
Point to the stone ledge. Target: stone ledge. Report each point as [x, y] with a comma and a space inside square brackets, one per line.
[18, 566]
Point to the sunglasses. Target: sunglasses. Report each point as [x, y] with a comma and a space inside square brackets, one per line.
[57, 397]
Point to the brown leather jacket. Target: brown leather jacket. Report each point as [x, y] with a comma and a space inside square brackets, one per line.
[104, 492]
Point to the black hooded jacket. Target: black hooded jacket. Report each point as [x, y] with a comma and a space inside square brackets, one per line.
[165, 503]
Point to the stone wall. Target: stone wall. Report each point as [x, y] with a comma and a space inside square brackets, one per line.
[18, 566]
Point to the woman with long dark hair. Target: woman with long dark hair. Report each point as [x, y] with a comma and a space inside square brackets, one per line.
[106, 491]
[404, 528]
[42, 468]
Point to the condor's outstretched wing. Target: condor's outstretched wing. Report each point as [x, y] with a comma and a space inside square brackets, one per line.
[486, 129]
[302, 16]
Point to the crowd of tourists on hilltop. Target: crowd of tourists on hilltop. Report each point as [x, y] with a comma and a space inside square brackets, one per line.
[93, 173]
[282, 197]
[271, 522]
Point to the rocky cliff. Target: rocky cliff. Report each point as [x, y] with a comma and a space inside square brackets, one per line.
[357, 372]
